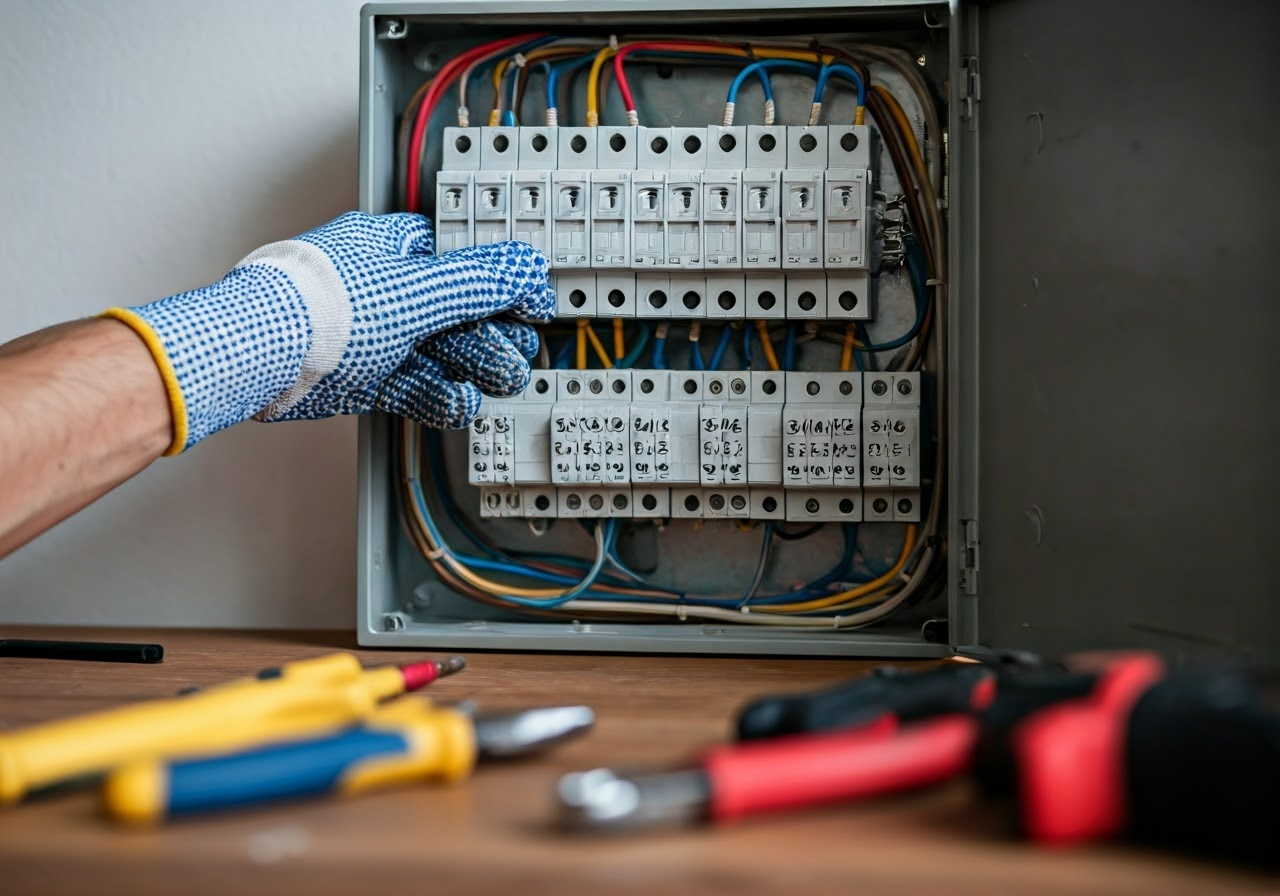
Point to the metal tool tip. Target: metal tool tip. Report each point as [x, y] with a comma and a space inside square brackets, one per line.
[452, 665]
[603, 800]
[520, 733]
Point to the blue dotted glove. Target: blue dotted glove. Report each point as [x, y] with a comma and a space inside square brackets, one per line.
[355, 316]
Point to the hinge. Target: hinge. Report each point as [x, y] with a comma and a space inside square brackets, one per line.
[970, 559]
[970, 91]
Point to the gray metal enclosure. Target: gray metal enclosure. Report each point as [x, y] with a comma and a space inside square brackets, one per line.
[1111, 183]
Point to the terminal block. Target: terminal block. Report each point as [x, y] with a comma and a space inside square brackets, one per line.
[826, 446]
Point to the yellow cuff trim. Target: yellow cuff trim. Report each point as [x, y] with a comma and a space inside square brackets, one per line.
[177, 405]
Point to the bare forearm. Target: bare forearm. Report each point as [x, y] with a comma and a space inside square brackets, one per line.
[82, 409]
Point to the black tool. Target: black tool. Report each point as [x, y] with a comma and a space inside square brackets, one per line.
[95, 651]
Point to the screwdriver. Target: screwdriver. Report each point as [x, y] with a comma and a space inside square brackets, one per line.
[290, 700]
[409, 741]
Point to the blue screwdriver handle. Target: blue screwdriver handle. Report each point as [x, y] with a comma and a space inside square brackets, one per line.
[248, 777]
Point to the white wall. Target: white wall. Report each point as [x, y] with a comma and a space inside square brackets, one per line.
[145, 147]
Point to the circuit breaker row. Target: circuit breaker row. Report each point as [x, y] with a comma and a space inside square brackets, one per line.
[832, 296]
[651, 502]
[620, 428]
[758, 198]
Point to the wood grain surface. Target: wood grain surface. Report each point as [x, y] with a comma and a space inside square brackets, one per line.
[492, 834]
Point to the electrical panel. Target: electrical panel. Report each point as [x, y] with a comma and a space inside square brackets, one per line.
[744, 365]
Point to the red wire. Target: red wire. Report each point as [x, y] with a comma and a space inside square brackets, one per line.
[618, 75]
[438, 87]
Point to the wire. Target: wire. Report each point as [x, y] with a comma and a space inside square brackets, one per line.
[580, 342]
[722, 346]
[784, 65]
[796, 536]
[854, 596]
[448, 74]
[659, 347]
[789, 348]
[619, 343]
[553, 78]
[586, 335]
[848, 73]
[846, 350]
[766, 345]
[760, 566]
[695, 354]
[681, 49]
[638, 349]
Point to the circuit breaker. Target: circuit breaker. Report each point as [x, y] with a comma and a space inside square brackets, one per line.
[731, 440]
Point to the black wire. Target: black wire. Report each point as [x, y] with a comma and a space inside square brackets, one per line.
[796, 536]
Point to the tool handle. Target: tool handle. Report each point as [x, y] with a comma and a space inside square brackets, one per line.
[350, 761]
[1203, 769]
[952, 688]
[806, 770]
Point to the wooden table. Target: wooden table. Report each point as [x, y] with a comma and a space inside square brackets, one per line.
[491, 834]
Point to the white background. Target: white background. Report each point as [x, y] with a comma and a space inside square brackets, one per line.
[145, 147]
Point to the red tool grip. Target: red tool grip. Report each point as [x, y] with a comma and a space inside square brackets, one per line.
[1071, 758]
[792, 772]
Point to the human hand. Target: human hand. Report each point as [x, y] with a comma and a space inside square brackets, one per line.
[355, 316]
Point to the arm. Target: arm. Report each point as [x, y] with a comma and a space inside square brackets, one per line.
[82, 409]
[356, 316]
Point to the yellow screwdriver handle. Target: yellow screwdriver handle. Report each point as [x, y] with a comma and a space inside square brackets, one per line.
[299, 697]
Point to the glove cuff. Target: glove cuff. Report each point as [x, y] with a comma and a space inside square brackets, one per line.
[177, 405]
[226, 351]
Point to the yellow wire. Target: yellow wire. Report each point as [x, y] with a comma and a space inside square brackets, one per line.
[850, 598]
[580, 356]
[846, 351]
[593, 86]
[766, 345]
[597, 345]
[619, 344]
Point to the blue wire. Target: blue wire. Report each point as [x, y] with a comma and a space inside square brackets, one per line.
[659, 359]
[746, 347]
[646, 330]
[695, 356]
[785, 65]
[554, 76]
[916, 271]
[789, 349]
[717, 356]
[845, 72]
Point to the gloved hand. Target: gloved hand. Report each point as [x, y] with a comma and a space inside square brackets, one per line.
[355, 316]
